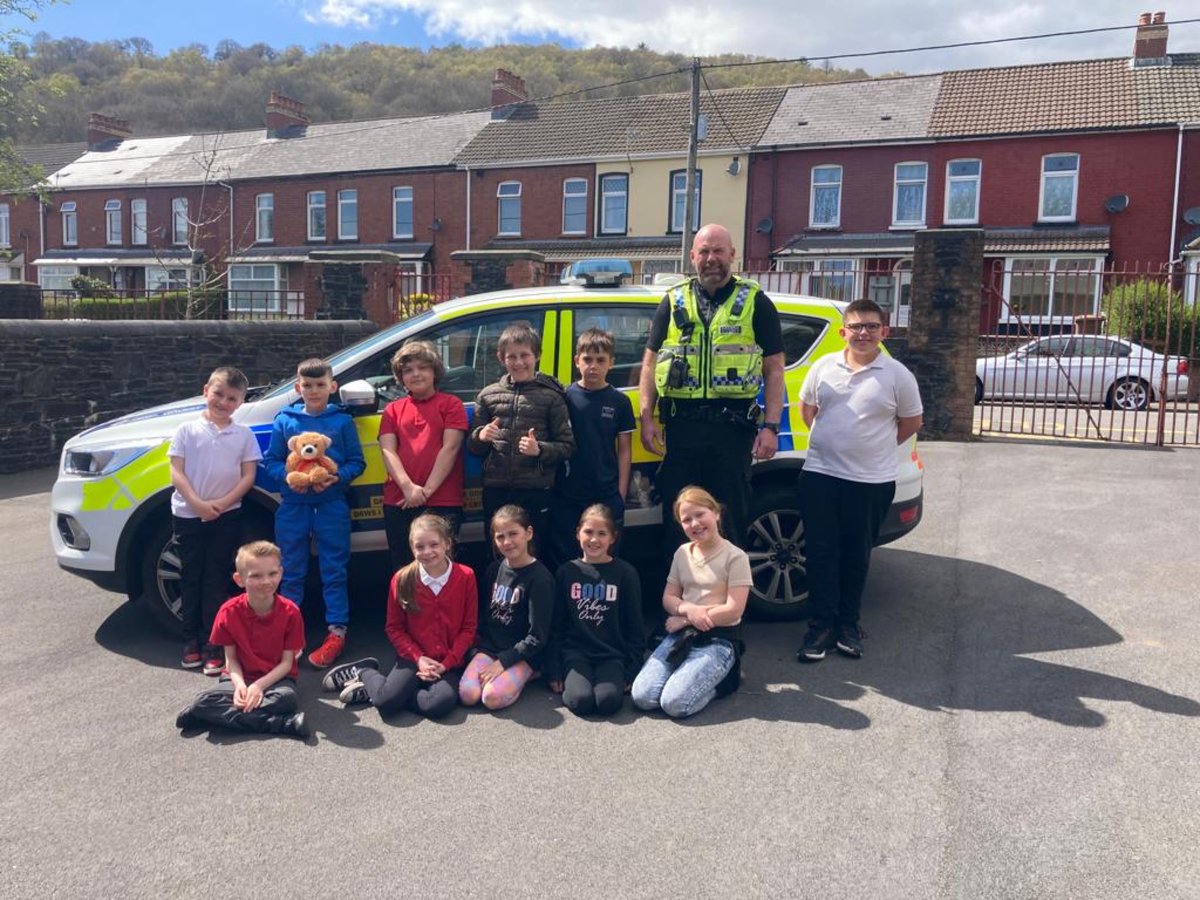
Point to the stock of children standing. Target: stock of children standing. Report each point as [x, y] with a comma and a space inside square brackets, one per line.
[212, 467]
[859, 405]
[522, 431]
[420, 438]
[320, 512]
[603, 425]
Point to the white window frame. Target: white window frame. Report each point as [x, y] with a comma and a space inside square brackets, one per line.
[70, 223]
[264, 218]
[138, 231]
[815, 186]
[606, 227]
[5, 226]
[179, 221]
[821, 267]
[171, 278]
[909, 181]
[952, 180]
[312, 206]
[505, 194]
[56, 278]
[1097, 272]
[112, 222]
[347, 199]
[402, 197]
[575, 197]
[1191, 280]
[679, 201]
[243, 300]
[1046, 177]
[10, 273]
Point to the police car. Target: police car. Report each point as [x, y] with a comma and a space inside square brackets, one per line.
[110, 515]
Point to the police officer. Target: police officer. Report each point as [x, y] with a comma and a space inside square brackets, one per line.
[714, 342]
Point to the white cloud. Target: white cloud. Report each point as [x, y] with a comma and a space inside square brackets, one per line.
[772, 28]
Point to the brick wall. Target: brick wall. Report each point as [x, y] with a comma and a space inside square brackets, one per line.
[541, 201]
[57, 378]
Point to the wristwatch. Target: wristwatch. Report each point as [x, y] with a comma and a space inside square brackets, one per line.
[771, 426]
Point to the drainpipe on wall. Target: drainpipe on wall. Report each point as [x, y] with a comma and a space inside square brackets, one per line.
[1175, 205]
[41, 237]
[229, 187]
[467, 243]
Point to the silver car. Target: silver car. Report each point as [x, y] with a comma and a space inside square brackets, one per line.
[1082, 368]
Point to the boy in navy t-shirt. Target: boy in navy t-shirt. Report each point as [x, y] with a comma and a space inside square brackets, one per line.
[603, 423]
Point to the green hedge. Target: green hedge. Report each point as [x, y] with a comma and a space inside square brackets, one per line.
[167, 305]
[1140, 311]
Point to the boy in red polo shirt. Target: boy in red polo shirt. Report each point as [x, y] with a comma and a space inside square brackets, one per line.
[421, 439]
[263, 634]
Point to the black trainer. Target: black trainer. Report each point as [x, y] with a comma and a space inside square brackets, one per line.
[818, 640]
[339, 676]
[849, 641]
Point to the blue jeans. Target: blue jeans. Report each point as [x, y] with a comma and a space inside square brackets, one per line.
[687, 689]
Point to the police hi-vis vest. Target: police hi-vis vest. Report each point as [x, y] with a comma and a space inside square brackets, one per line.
[723, 362]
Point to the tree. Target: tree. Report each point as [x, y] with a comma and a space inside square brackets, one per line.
[16, 175]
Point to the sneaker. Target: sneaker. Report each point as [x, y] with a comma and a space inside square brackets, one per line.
[214, 659]
[326, 655]
[185, 721]
[191, 655]
[817, 641]
[339, 676]
[296, 726]
[354, 692]
[849, 641]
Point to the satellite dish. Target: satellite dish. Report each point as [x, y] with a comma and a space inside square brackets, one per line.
[1192, 216]
[1117, 203]
[765, 226]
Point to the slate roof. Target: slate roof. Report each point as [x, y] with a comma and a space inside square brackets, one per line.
[646, 125]
[52, 157]
[367, 146]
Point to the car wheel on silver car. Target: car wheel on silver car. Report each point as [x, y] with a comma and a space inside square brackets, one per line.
[1131, 394]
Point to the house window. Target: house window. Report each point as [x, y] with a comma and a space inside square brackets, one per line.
[112, 221]
[402, 212]
[1191, 284]
[1042, 289]
[962, 191]
[347, 215]
[257, 288]
[832, 279]
[162, 278]
[679, 198]
[10, 273]
[70, 224]
[908, 204]
[574, 206]
[316, 215]
[5, 233]
[1060, 187]
[56, 278]
[264, 217]
[137, 221]
[179, 220]
[509, 198]
[826, 198]
[614, 204]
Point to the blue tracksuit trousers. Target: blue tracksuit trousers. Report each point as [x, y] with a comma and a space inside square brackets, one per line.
[329, 523]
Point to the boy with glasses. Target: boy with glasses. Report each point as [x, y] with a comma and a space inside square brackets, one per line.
[858, 405]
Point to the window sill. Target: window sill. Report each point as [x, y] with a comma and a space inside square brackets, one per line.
[915, 226]
[824, 228]
[402, 237]
[959, 223]
[1043, 223]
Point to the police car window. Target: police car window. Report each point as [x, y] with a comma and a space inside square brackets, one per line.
[629, 326]
[800, 333]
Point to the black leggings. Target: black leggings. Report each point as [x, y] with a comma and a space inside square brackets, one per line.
[402, 689]
[594, 687]
[216, 710]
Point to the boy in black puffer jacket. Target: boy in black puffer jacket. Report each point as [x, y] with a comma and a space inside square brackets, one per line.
[522, 430]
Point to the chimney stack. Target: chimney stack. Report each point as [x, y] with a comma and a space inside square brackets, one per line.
[105, 132]
[507, 91]
[1150, 42]
[285, 117]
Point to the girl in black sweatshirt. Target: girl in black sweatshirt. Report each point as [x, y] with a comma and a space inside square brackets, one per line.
[597, 643]
[517, 606]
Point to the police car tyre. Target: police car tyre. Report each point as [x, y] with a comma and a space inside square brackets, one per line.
[160, 576]
[775, 545]
[1130, 394]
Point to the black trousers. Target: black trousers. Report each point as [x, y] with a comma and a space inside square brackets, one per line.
[594, 687]
[535, 501]
[397, 522]
[215, 708]
[402, 689]
[841, 524]
[716, 457]
[206, 554]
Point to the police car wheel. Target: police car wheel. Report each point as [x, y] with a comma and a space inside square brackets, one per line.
[160, 578]
[775, 545]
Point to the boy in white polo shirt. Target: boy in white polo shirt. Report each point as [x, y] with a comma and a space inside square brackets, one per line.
[213, 461]
[859, 405]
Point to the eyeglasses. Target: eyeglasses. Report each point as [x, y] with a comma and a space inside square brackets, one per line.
[860, 327]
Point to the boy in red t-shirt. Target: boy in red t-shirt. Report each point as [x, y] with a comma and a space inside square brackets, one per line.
[263, 634]
[421, 438]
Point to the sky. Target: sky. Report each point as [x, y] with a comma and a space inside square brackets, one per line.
[776, 28]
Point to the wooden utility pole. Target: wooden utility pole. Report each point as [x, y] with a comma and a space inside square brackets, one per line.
[689, 200]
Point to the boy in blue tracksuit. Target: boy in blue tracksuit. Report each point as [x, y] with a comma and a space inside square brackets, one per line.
[321, 512]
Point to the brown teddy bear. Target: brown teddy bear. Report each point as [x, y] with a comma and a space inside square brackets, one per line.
[307, 464]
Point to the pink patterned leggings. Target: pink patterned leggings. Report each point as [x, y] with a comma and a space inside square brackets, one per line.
[501, 691]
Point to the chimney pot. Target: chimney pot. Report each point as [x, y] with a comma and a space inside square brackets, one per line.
[1159, 18]
[1150, 40]
[1144, 19]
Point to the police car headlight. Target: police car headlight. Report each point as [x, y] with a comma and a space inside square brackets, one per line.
[96, 461]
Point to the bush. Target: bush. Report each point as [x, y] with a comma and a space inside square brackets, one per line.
[166, 305]
[1140, 311]
[91, 287]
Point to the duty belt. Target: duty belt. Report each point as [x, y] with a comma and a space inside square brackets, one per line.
[699, 411]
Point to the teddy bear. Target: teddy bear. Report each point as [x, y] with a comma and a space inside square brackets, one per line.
[307, 465]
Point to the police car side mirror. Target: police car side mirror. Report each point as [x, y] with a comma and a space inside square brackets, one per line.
[358, 398]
